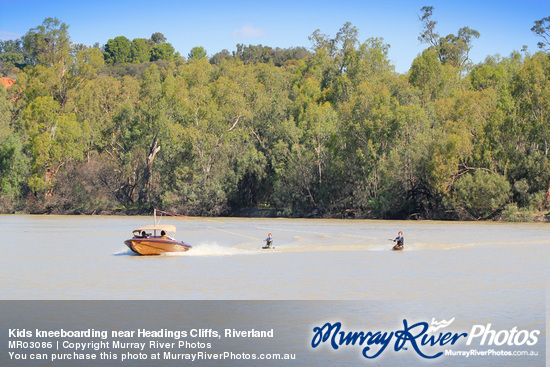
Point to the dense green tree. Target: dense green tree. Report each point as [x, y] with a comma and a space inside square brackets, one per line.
[163, 51]
[334, 131]
[531, 126]
[220, 56]
[139, 50]
[11, 56]
[433, 79]
[63, 78]
[48, 44]
[482, 193]
[341, 48]
[532, 91]
[197, 53]
[370, 61]
[54, 139]
[118, 51]
[14, 164]
[454, 50]
[291, 55]
[495, 72]
[253, 54]
[211, 133]
[158, 38]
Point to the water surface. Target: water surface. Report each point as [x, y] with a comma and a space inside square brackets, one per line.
[84, 257]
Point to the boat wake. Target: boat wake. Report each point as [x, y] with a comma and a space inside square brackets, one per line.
[297, 246]
[125, 252]
[210, 249]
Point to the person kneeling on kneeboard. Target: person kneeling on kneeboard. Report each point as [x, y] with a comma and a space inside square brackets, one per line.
[269, 241]
[400, 241]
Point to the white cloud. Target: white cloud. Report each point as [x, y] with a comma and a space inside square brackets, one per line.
[5, 35]
[249, 31]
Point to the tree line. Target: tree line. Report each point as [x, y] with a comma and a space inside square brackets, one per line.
[332, 131]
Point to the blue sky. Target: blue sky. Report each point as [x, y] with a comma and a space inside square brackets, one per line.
[504, 25]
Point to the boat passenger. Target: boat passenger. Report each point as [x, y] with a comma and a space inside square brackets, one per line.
[400, 240]
[143, 234]
[163, 235]
[269, 240]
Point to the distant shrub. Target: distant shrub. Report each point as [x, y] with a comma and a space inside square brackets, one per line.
[514, 214]
[482, 194]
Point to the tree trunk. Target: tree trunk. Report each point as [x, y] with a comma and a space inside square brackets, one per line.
[148, 170]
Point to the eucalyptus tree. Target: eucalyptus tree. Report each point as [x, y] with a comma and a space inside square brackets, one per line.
[531, 91]
[452, 49]
[434, 79]
[270, 110]
[370, 62]
[53, 135]
[54, 139]
[542, 29]
[47, 44]
[334, 56]
[14, 164]
[208, 130]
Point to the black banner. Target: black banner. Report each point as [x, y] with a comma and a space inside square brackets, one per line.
[256, 333]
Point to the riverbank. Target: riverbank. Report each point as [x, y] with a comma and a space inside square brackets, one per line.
[523, 216]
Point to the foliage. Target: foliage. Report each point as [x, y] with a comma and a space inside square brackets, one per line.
[139, 50]
[14, 164]
[11, 56]
[482, 194]
[47, 44]
[333, 131]
[254, 54]
[542, 29]
[157, 38]
[197, 53]
[163, 51]
[451, 49]
[118, 51]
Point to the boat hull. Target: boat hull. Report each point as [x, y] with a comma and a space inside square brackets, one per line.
[155, 246]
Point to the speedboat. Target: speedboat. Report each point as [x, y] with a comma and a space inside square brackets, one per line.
[154, 240]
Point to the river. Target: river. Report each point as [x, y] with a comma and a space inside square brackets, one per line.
[477, 272]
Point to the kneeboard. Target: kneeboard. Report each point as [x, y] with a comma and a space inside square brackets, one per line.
[268, 247]
[397, 248]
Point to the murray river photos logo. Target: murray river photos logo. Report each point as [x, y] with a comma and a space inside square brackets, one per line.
[425, 339]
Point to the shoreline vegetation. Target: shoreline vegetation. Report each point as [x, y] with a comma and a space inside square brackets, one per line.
[516, 216]
[326, 132]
